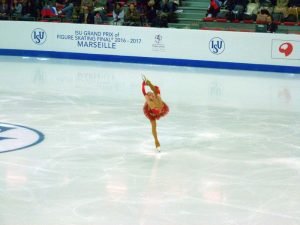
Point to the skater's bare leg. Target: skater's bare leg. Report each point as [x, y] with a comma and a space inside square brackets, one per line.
[154, 133]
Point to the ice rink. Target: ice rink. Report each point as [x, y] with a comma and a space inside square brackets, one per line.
[230, 145]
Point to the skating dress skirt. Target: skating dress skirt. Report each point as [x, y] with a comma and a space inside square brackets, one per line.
[155, 114]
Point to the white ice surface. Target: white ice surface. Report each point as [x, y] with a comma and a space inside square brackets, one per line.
[230, 146]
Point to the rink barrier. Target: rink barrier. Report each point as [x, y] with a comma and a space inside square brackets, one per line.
[176, 47]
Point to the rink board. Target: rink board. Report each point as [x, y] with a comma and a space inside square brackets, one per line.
[179, 47]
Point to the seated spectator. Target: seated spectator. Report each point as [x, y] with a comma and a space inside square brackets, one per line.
[151, 13]
[16, 9]
[4, 9]
[239, 8]
[174, 5]
[213, 8]
[98, 18]
[48, 10]
[84, 10]
[90, 18]
[271, 26]
[226, 10]
[164, 13]
[101, 7]
[67, 10]
[165, 7]
[141, 5]
[263, 16]
[132, 16]
[281, 8]
[118, 14]
[267, 5]
[38, 8]
[28, 9]
[293, 11]
[251, 10]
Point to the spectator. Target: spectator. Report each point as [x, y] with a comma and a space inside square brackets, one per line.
[48, 10]
[166, 7]
[28, 9]
[98, 18]
[151, 14]
[293, 11]
[239, 8]
[101, 7]
[84, 10]
[38, 8]
[174, 5]
[67, 10]
[90, 19]
[267, 5]
[213, 8]
[251, 10]
[226, 10]
[281, 8]
[132, 16]
[164, 14]
[118, 14]
[16, 9]
[4, 9]
[263, 16]
[141, 5]
[271, 26]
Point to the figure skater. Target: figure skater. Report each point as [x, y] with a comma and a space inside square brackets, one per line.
[154, 107]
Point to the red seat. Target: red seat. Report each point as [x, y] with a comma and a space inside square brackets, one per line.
[208, 19]
[290, 23]
[221, 20]
[277, 22]
[248, 21]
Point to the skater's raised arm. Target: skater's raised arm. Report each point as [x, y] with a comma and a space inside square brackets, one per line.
[143, 88]
[155, 89]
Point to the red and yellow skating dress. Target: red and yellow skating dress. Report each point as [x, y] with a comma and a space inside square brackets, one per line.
[155, 113]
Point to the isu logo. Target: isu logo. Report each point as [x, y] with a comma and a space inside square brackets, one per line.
[216, 45]
[286, 48]
[15, 137]
[38, 36]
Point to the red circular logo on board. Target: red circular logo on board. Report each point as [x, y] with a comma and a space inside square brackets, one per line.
[286, 48]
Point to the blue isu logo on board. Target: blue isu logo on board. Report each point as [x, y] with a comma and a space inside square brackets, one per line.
[16, 137]
[38, 36]
[216, 45]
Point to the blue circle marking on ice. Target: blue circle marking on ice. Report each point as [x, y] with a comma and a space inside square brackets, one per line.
[16, 137]
[39, 36]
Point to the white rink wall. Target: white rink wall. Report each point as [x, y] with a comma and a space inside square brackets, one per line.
[180, 47]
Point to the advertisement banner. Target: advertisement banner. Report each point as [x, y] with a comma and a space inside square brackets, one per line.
[217, 49]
